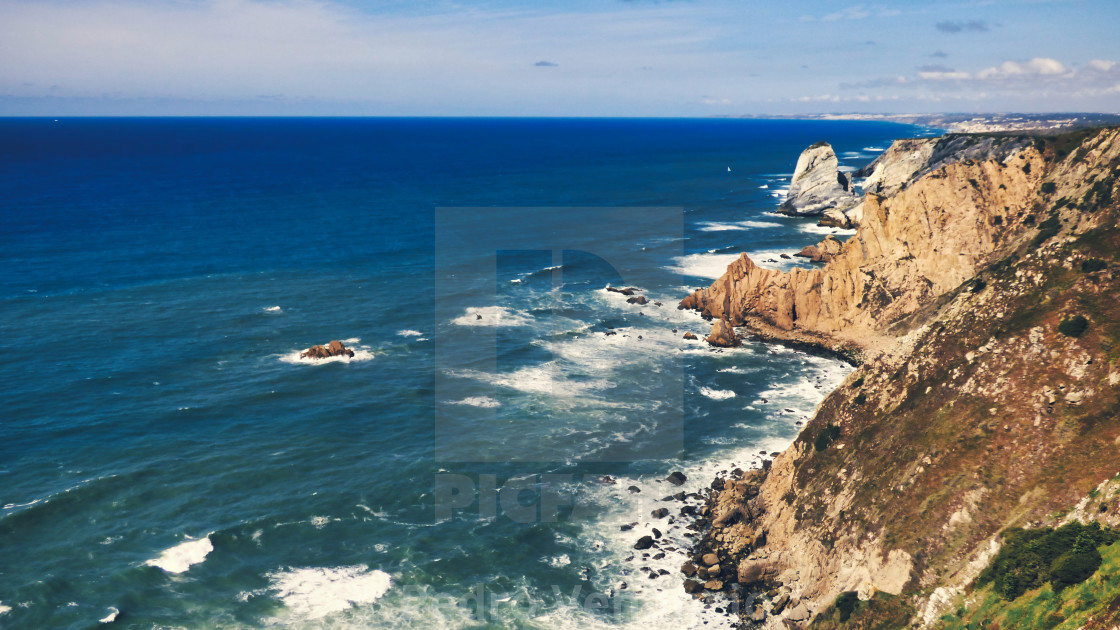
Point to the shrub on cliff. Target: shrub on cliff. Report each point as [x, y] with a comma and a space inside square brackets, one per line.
[1046, 230]
[1089, 265]
[827, 436]
[1031, 557]
[1073, 326]
[1076, 565]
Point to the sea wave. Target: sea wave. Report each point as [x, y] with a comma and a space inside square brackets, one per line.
[111, 617]
[709, 266]
[4, 609]
[715, 226]
[314, 593]
[813, 228]
[183, 556]
[717, 394]
[484, 402]
[492, 316]
[273, 309]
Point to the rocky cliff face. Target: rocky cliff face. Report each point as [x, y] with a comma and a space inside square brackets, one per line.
[911, 248]
[818, 185]
[984, 408]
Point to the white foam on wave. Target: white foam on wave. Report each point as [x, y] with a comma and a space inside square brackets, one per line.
[735, 369]
[546, 378]
[410, 333]
[813, 228]
[4, 609]
[710, 266]
[183, 556]
[717, 394]
[484, 402]
[714, 226]
[492, 316]
[111, 617]
[874, 149]
[273, 309]
[314, 593]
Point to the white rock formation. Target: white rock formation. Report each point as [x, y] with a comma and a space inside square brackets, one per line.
[818, 185]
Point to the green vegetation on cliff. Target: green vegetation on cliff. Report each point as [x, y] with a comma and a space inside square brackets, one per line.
[1092, 604]
[1031, 557]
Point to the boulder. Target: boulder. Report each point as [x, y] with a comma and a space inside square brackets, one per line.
[660, 513]
[818, 184]
[676, 478]
[823, 251]
[334, 349]
[689, 336]
[713, 585]
[692, 586]
[638, 299]
[710, 558]
[723, 335]
[799, 612]
[751, 571]
[626, 291]
[645, 542]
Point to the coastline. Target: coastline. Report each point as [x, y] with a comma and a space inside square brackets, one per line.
[822, 520]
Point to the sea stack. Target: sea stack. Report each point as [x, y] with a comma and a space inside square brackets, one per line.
[723, 335]
[818, 185]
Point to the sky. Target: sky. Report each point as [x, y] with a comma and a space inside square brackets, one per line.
[556, 58]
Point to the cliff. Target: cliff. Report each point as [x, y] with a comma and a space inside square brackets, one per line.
[912, 247]
[983, 290]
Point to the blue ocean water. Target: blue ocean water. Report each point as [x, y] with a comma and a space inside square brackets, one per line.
[167, 460]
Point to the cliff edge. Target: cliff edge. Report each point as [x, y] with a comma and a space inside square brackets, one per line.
[982, 287]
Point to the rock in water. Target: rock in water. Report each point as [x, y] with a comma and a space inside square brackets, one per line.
[334, 349]
[676, 478]
[315, 352]
[723, 335]
[818, 184]
[823, 251]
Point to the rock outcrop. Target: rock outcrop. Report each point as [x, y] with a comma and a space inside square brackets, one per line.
[979, 414]
[723, 335]
[823, 251]
[818, 185]
[334, 349]
[925, 240]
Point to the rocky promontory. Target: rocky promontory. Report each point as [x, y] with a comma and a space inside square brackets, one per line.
[818, 185]
[982, 290]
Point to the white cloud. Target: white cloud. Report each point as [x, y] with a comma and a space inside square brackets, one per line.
[944, 75]
[1039, 66]
[1101, 65]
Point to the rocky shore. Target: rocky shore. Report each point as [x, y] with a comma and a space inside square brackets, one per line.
[977, 406]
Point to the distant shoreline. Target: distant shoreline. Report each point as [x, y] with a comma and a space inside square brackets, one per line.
[970, 123]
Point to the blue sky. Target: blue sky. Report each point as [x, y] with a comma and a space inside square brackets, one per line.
[575, 58]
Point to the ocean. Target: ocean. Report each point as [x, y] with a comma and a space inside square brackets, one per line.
[497, 443]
